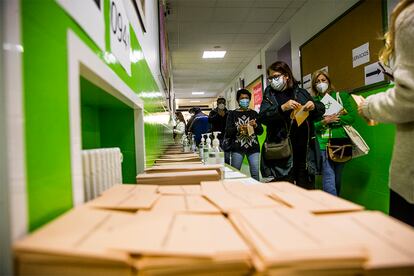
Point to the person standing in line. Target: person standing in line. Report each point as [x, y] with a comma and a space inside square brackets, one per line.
[198, 124]
[330, 127]
[396, 105]
[179, 128]
[217, 118]
[281, 97]
[243, 127]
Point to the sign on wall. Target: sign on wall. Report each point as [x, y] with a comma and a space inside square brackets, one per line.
[360, 55]
[256, 88]
[89, 15]
[120, 40]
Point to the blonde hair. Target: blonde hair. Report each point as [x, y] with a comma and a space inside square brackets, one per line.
[315, 76]
[389, 38]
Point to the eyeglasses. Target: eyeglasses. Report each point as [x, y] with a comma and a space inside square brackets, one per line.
[270, 78]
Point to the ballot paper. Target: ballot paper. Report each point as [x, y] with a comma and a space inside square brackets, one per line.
[300, 115]
[331, 105]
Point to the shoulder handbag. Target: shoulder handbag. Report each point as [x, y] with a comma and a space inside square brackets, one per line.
[339, 149]
[227, 143]
[359, 146]
[280, 150]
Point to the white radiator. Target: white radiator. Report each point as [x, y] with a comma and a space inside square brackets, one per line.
[101, 170]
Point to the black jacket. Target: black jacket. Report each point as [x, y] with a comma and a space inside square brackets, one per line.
[277, 123]
[218, 123]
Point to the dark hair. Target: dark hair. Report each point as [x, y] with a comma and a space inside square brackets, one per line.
[284, 69]
[180, 116]
[221, 98]
[243, 92]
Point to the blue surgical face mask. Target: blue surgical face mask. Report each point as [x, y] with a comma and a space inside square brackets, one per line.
[244, 103]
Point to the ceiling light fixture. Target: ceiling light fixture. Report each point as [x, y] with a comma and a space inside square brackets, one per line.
[194, 101]
[214, 54]
[197, 93]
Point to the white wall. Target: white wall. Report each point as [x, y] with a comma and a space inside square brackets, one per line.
[149, 40]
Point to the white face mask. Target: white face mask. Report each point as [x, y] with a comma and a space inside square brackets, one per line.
[278, 84]
[221, 106]
[322, 87]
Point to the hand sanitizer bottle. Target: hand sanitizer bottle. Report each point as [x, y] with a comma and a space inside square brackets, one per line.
[207, 148]
[193, 144]
[201, 147]
[185, 144]
[216, 155]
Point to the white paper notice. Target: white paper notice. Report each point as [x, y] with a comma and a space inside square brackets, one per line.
[373, 73]
[360, 55]
[331, 105]
[307, 81]
[89, 15]
[119, 34]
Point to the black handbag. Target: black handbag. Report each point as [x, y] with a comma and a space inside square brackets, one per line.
[281, 150]
[227, 144]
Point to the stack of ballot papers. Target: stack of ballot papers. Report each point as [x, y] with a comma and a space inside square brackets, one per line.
[228, 196]
[315, 201]
[389, 242]
[182, 167]
[292, 242]
[72, 245]
[182, 243]
[184, 203]
[125, 197]
[178, 178]
[179, 190]
[177, 159]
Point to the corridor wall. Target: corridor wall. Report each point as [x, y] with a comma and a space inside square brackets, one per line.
[47, 31]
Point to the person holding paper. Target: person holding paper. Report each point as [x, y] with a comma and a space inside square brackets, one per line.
[396, 105]
[243, 127]
[330, 127]
[179, 128]
[289, 111]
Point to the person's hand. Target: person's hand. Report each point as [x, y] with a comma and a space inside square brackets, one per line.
[243, 129]
[330, 119]
[291, 104]
[253, 123]
[221, 112]
[361, 103]
[309, 106]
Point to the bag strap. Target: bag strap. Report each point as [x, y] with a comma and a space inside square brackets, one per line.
[291, 121]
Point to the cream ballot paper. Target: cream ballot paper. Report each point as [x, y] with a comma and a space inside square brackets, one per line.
[331, 105]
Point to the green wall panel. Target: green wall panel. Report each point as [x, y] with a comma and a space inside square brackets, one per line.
[45, 81]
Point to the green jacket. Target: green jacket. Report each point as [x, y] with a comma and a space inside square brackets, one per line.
[335, 129]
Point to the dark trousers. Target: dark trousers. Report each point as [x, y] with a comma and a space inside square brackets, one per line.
[401, 209]
[299, 174]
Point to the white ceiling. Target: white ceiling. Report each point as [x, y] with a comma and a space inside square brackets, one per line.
[240, 27]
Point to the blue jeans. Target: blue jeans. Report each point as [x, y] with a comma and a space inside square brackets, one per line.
[331, 174]
[253, 158]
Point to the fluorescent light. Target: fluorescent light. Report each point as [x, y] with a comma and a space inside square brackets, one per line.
[214, 54]
[197, 93]
[194, 101]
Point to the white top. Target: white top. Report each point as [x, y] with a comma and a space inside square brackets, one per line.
[179, 130]
[396, 105]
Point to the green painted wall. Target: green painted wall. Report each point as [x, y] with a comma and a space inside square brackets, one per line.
[365, 179]
[45, 82]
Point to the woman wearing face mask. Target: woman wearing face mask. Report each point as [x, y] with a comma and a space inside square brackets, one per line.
[281, 97]
[330, 127]
[179, 128]
[242, 127]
